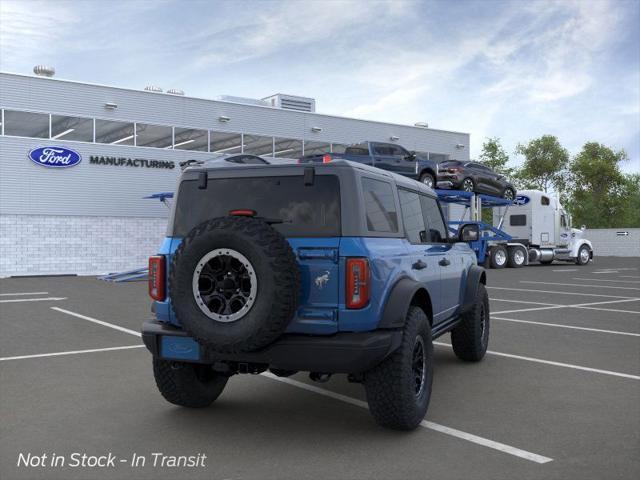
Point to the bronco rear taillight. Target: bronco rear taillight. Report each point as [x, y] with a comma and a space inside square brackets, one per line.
[326, 158]
[156, 277]
[357, 282]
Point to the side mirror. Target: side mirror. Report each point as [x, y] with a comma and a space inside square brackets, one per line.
[469, 233]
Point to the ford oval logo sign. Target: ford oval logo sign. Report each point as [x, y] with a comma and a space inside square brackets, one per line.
[55, 157]
[521, 200]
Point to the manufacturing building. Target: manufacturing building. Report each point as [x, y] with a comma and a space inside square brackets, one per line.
[77, 160]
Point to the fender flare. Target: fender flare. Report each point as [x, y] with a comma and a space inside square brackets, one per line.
[475, 276]
[398, 302]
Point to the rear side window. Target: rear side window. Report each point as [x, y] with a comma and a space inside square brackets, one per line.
[305, 210]
[518, 220]
[380, 207]
[360, 149]
[436, 230]
[544, 201]
[412, 216]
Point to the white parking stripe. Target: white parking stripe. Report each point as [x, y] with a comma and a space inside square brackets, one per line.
[577, 305]
[533, 457]
[572, 327]
[559, 293]
[566, 270]
[523, 301]
[556, 364]
[581, 285]
[633, 312]
[99, 322]
[72, 352]
[20, 300]
[603, 280]
[22, 293]
[629, 276]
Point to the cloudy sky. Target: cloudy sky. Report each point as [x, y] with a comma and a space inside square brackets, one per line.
[512, 69]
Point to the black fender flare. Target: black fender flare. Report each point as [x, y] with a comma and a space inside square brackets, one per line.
[398, 302]
[475, 276]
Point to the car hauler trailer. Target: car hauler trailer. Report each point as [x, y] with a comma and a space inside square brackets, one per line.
[532, 228]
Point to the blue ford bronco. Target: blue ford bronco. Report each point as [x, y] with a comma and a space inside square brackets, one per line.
[323, 268]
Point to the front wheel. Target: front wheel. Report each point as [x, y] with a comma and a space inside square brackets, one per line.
[470, 337]
[399, 388]
[188, 384]
[428, 180]
[584, 255]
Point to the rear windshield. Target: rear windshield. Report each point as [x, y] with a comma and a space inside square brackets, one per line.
[306, 210]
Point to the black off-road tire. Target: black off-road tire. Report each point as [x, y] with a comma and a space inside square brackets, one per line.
[494, 257]
[278, 283]
[391, 385]
[188, 384]
[428, 177]
[470, 338]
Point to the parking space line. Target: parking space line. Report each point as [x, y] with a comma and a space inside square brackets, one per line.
[572, 327]
[561, 293]
[581, 285]
[577, 305]
[566, 270]
[99, 322]
[604, 280]
[533, 457]
[629, 276]
[524, 301]
[72, 352]
[556, 364]
[47, 299]
[22, 293]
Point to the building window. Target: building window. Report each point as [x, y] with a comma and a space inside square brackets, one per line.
[71, 128]
[316, 148]
[26, 124]
[191, 139]
[380, 206]
[287, 148]
[412, 216]
[258, 145]
[156, 136]
[115, 133]
[226, 142]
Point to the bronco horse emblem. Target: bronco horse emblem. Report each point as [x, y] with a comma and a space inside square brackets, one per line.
[322, 280]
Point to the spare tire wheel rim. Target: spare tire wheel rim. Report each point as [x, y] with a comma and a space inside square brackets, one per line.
[224, 285]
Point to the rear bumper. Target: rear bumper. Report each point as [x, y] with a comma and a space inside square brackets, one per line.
[344, 352]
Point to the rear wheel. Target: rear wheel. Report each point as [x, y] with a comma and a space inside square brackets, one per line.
[468, 185]
[517, 257]
[428, 180]
[188, 384]
[470, 337]
[399, 388]
[498, 256]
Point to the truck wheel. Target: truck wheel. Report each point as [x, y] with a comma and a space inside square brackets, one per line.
[234, 284]
[584, 255]
[498, 256]
[468, 185]
[399, 389]
[188, 384]
[517, 257]
[470, 337]
[428, 180]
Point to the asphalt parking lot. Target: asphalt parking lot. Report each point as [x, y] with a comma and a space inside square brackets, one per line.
[558, 395]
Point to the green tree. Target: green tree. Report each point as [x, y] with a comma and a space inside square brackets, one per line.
[545, 164]
[494, 156]
[599, 194]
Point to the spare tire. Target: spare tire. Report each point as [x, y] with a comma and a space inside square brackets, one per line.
[234, 284]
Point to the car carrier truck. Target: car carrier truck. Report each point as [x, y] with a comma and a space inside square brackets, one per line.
[532, 228]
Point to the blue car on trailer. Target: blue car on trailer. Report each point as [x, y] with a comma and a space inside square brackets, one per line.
[324, 268]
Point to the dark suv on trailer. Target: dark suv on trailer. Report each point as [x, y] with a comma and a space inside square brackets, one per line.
[474, 177]
[329, 268]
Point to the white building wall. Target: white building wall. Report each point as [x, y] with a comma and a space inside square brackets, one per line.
[613, 242]
[83, 245]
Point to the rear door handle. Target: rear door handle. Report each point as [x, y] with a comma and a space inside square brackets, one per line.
[419, 265]
[444, 262]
